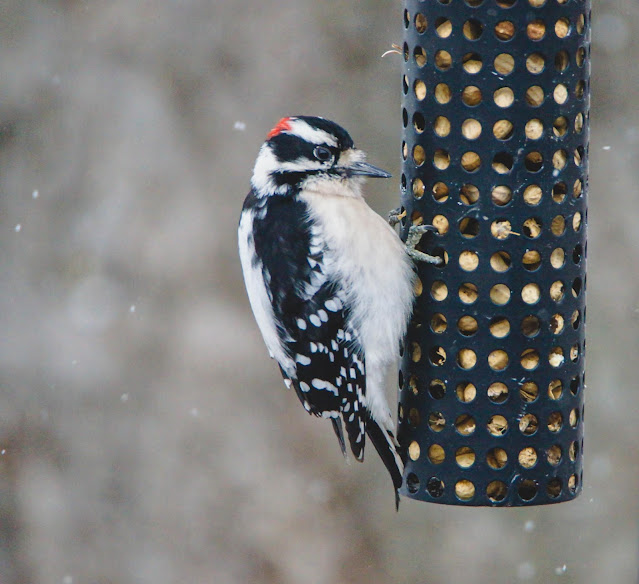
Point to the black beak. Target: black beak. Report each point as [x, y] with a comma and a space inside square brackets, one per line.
[365, 169]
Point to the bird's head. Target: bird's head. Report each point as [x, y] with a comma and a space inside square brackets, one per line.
[310, 153]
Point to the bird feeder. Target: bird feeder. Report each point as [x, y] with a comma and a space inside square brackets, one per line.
[495, 156]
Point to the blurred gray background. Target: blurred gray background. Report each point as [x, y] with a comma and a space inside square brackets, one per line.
[145, 436]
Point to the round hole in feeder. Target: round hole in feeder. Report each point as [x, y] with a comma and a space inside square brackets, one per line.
[502, 162]
[506, 3]
[435, 487]
[534, 96]
[535, 63]
[559, 192]
[404, 150]
[529, 391]
[416, 218]
[498, 360]
[553, 455]
[497, 425]
[443, 60]
[574, 353]
[577, 254]
[553, 488]
[414, 418]
[497, 392]
[532, 227]
[471, 95]
[441, 159]
[464, 490]
[580, 57]
[465, 457]
[474, 3]
[466, 392]
[418, 188]
[436, 421]
[442, 93]
[469, 194]
[496, 458]
[578, 155]
[504, 30]
[403, 184]
[500, 294]
[420, 23]
[573, 451]
[420, 56]
[562, 27]
[472, 63]
[438, 323]
[557, 290]
[574, 385]
[406, 52]
[504, 64]
[404, 117]
[465, 425]
[556, 324]
[406, 18]
[531, 260]
[414, 450]
[534, 161]
[500, 261]
[560, 94]
[581, 24]
[527, 489]
[419, 156]
[539, 3]
[412, 483]
[556, 357]
[555, 422]
[499, 327]
[405, 84]
[443, 27]
[471, 129]
[467, 325]
[560, 126]
[575, 319]
[562, 60]
[418, 287]
[468, 260]
[470, 161]
[536, 30]
[441, 223]
[529, 359]
[501, 195]
[576, 222]
[558, 225]
[528, 424]
[534, 129]
[437, 388]
[441, 126]
[436, 454]
[419, 88]
[466, 358]
[469, 227]
[437, 356]
[416, 353]
[530, 326]
[573, 418]
[531, 293]
[503, 129]
[468, 293]
[440, 192]
[527, 457]
[579, 123]
[577, 189]
[532, 195]
[472, 29]
[418, 122]
[496, 491]
[504, 97]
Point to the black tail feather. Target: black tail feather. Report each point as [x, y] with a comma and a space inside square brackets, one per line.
[337, 426]
[384, 443]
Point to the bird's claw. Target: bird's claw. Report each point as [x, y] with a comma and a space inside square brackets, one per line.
[395, 216]
[415, 233]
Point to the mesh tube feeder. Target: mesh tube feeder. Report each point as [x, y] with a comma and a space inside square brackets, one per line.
[495, 146]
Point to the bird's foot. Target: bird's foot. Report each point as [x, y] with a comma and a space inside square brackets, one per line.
[395, 216]
[415, 233]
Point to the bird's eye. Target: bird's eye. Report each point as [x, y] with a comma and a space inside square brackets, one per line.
[322, 154]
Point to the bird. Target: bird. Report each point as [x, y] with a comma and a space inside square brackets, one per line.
[329, 281]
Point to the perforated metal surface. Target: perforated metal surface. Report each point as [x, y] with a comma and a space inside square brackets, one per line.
[495, 113]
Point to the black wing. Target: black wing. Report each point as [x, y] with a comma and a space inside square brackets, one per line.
[328, 370]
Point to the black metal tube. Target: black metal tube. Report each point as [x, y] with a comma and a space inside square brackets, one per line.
[495, 151]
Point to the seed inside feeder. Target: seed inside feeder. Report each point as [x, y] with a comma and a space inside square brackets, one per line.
[436, 454]
[468, 293]
[497, 425]
[465, 457]
[466, 392]
[496, 458]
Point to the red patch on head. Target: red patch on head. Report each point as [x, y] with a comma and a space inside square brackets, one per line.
[283, 125]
